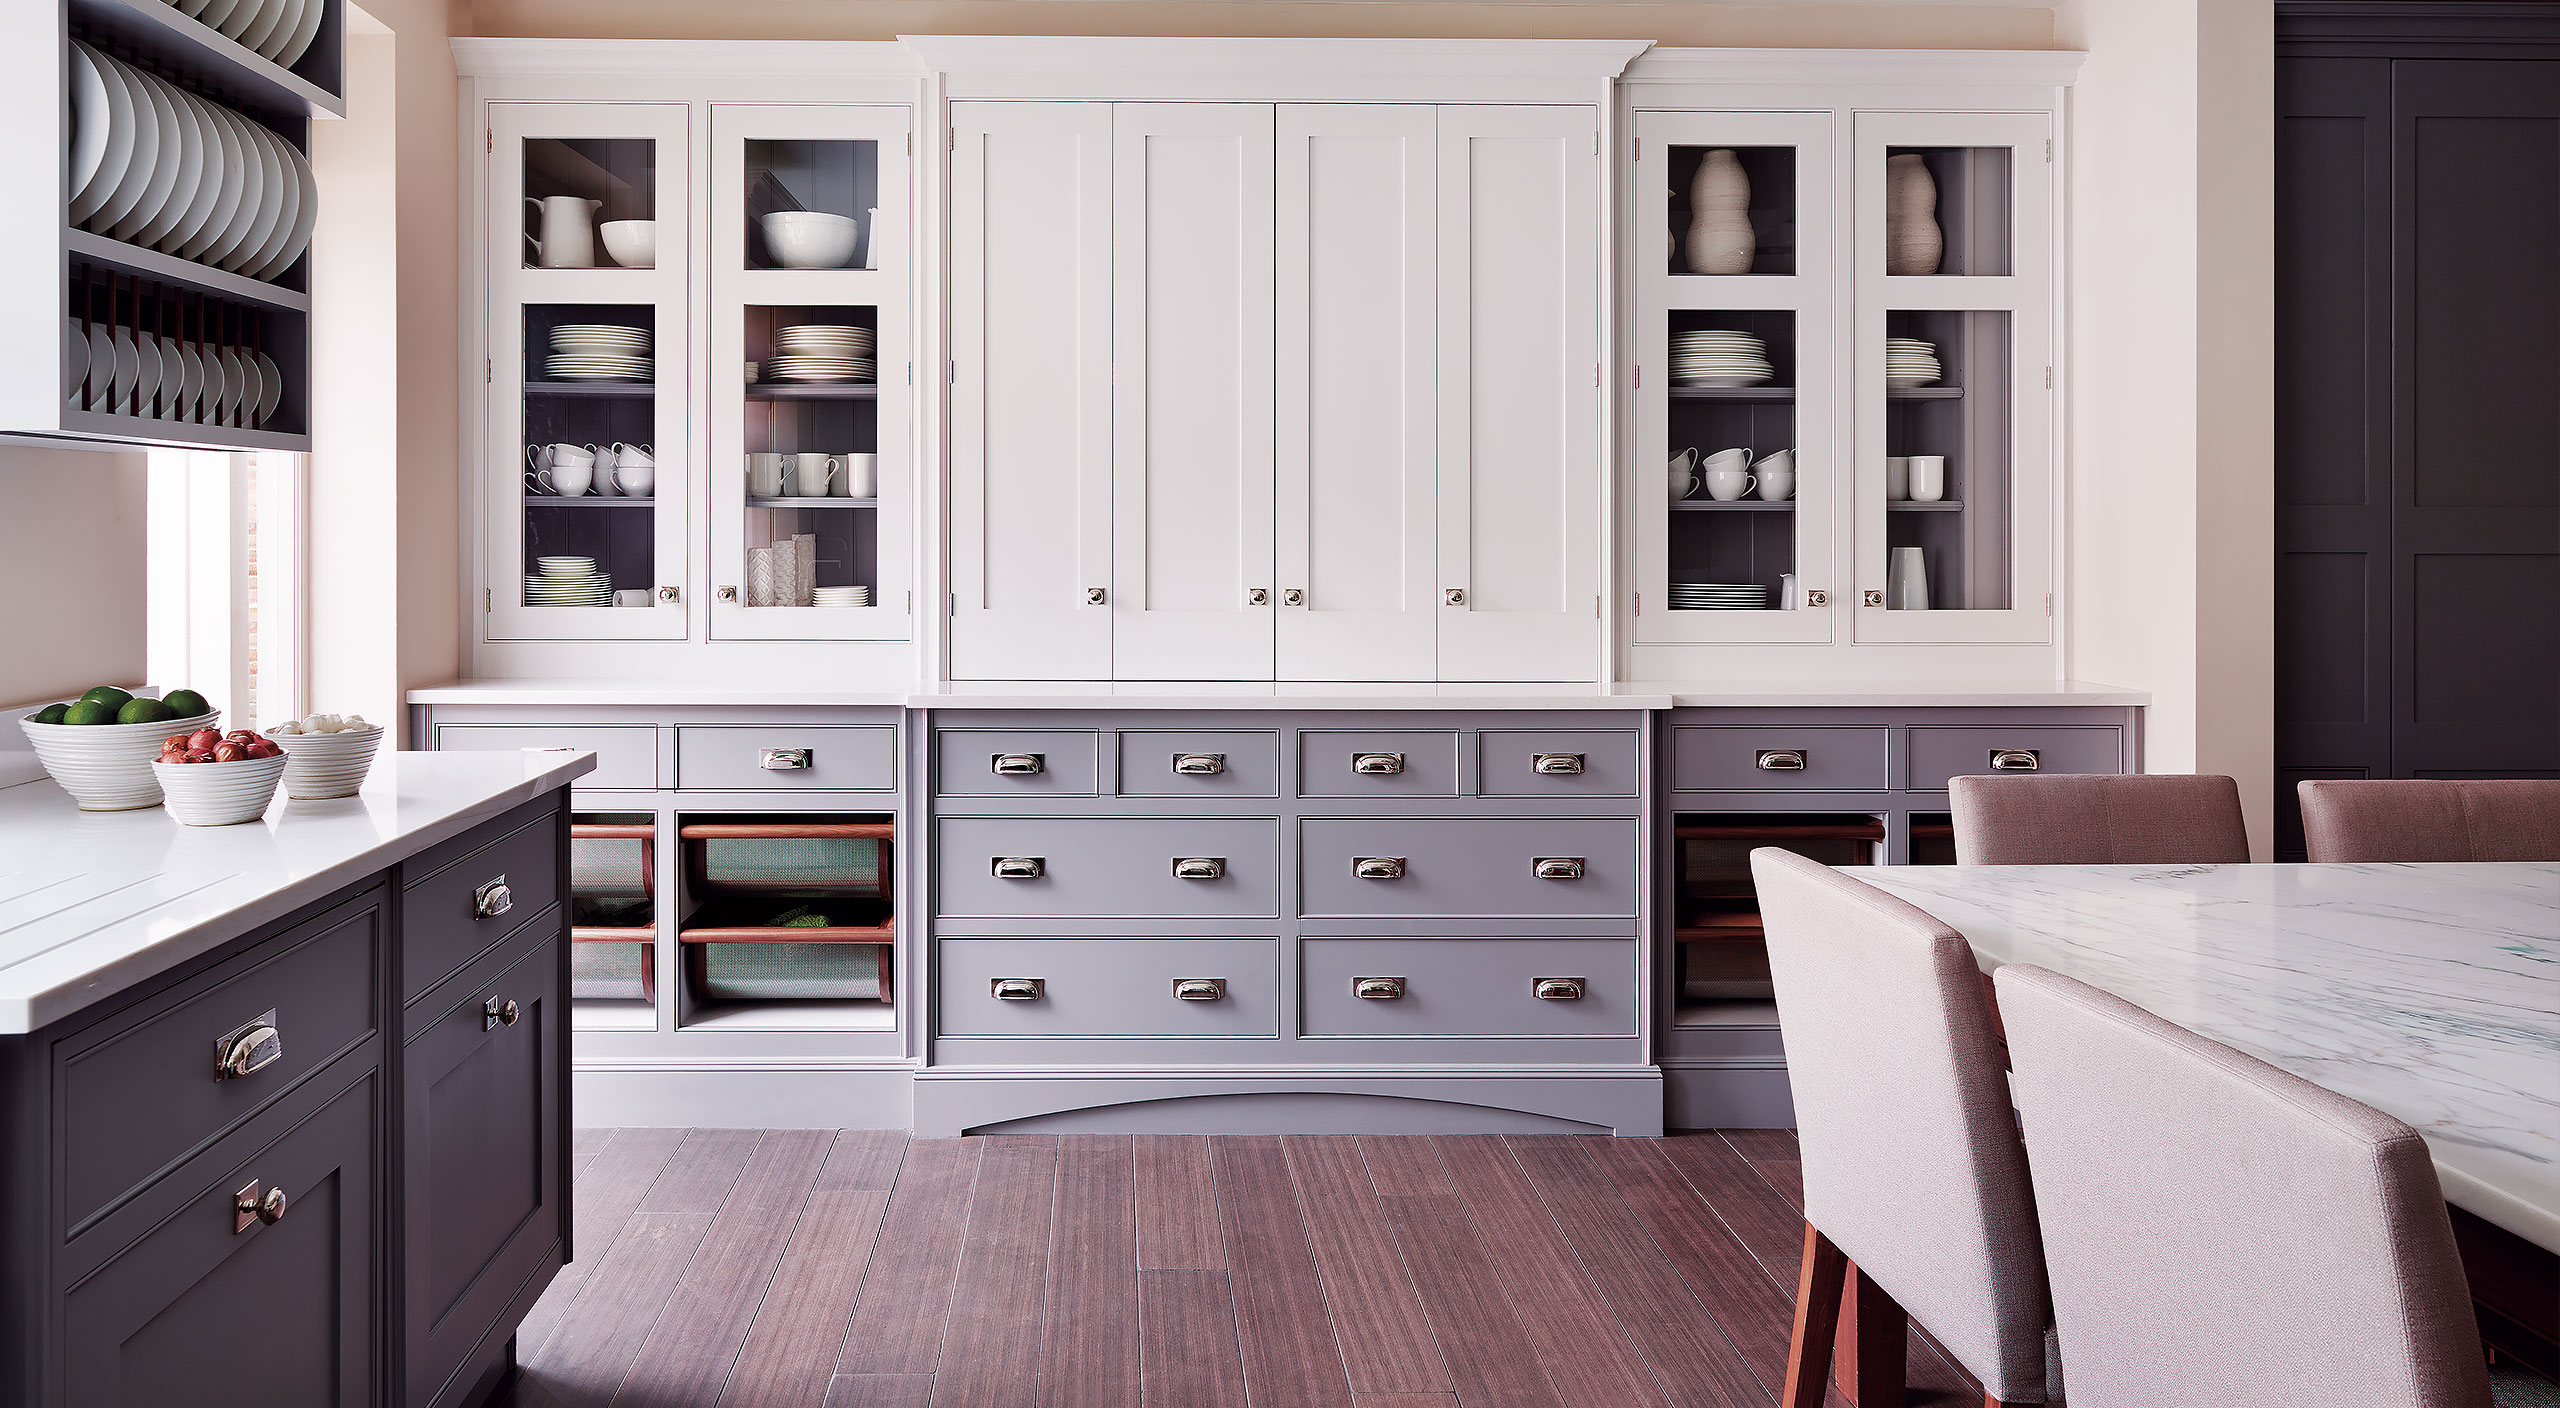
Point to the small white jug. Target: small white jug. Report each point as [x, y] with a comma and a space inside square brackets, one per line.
[568, 239]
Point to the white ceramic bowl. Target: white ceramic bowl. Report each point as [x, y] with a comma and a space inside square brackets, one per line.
[107, 767]
[811, 239]
[327, 764]
[632, 243]
[220, 794]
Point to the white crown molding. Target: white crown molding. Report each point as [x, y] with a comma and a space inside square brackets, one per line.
[2007, 68]
[721, 58]
[1559, 70]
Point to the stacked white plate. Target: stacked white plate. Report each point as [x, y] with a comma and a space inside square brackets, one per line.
[157, 166]
[115, 370]
[567, 581]
[278, 31]
[840, 596]
[823, 352]
[1719, 357]
[1718, 596]
[599, 352]
[220, 794]
[1910, 362]
[327, 764]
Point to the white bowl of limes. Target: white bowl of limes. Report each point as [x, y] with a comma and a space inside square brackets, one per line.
[104, 763]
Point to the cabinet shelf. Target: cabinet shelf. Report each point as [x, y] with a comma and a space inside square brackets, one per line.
[1924, 393]
[1733, 506]
[587, 501]
[1781, 395]
[607, 390]
[226, 68]
[813, 391]
[1914, 506]
[104, 252]
[809, 501]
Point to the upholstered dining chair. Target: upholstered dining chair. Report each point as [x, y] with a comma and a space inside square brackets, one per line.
[2218, 1231]
[1913, 1174]
[2426, 819]
[2098, 819]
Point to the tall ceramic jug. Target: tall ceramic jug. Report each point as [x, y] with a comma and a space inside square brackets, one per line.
[1720, 238]
[1912, 241]
[568, 239]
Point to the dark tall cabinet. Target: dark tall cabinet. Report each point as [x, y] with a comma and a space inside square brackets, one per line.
[2417, 393]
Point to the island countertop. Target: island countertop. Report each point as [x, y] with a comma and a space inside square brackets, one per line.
[92, 903]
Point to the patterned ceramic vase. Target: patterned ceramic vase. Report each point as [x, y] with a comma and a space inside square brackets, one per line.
[1720, 239]
[1912, 242]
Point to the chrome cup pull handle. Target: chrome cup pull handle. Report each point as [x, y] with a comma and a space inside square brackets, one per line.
[1020, 764]
[1377, 764]
[1017, 989]
[1556, 764]
[1019, 867]
[1378, 867]
[1779, 759]
[2015, 759]
[1200, 989]
[1199, 764]
[492, 899]
[1557, 989]
[788, 759]
[1377, 989]
[1557, 867]
[1200, 868]
[248, 1048]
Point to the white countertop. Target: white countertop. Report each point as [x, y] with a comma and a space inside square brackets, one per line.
[1744, 693]
[2430, 992]
[1078, 694]
[92, 903]
[1103, 694]
[711, 691]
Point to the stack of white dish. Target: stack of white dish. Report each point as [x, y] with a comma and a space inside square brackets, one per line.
[220, 794]
[822, 352]
[1910, 362]
[1715, 357]
[567, 581]
[840, 596]
[327, 764]
[115, 370]
[107, 767]
[275, 30]
[1718, 596]
[599, 352]
[157, 166]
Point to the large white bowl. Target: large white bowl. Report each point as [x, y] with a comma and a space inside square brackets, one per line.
[326, 764]
[220, 794]
[633, 244]
[107, 767]
[811, 239]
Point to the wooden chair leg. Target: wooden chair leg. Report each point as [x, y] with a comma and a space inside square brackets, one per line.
[1874, 1337]
[1818, 1287]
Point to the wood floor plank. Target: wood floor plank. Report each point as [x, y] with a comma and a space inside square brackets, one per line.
[1089, 1347]
[1721, 1272]
[1784, 1175]
[1490, 1359]
[1689, 1355]
[991, 1350]
[906, 1294]
[689, 1355]
[584, 1362]
[1757, 1215]
[603, 1200]
[1282, 1330]
[1404, 1400]
[1564, 1315]
[1177, 1205]
[791, 1349]
[880, 1391]
[863, 1159]
[702, 1171]
[586, 1142]
[1401, 1164]
[1386, 1343]
[1187, 1340]
[1758, 1144]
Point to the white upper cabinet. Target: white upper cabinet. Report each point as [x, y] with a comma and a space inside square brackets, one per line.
[1519, 397]
[1191, 377]
[1031, 396]
[1356, 411]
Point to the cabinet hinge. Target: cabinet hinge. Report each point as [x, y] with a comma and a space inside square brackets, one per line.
[2048, 149]
[1639, 148]
[911, 144]
[1595, 374]
[955, 603]
[911, 603]
[1595, 608]
[488, 600]
[493, 140]
[2048, 603]
[954, 368]
[1595, 141]
[1639, 603]
[911, 372]
[1639, 376]
[2048, 378]
[489, 369]
[953, 133]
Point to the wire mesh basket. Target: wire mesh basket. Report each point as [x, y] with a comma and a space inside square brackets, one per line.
[790, 910]
[613, 910]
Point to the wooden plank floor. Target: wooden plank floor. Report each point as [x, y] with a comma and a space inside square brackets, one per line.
[861, 1269]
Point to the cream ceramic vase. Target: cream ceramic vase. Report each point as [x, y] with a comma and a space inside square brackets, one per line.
[1720, 239]
[1912, 243]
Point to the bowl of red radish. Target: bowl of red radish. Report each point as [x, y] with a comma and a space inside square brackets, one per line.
[218, 779]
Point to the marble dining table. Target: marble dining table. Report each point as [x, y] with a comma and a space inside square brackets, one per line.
[2430, 992]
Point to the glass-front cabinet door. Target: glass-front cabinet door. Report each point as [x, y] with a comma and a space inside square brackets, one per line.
[1954, 377]
[584, 526]
[812, 471]
[1736, 473]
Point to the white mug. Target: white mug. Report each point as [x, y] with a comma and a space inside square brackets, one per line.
[637, 596]
[1897, 478]
[812, 471]
[861, 477]
[1928, 478]
[1684, 474]
[1726, 485]
[764, 474]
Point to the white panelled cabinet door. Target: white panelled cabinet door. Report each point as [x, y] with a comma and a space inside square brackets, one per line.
[1355, 419]
[1191, 236]
[1519, 441]
[1031, 429]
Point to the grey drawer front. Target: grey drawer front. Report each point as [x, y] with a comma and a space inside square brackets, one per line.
[1250, 763]
[440, 926]
[1468, 868]
[626, 754]
[837, 758]
[1106, 867]
[964, 762]
[1108, 987]
[1507, 763]
[1940, 753]
[1835, 759]
[1325, 764]
[139, 1096]
[1467, 987]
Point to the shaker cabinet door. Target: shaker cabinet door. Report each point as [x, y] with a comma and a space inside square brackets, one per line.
[1519, 404]
[1031, 268]
[1354, 425]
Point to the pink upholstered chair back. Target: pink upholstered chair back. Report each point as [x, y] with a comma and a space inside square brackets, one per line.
[2097, 819]
[1912, 1164]
[2393, 819]
[2218, 1231]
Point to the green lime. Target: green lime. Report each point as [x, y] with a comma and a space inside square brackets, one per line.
[108, 695]
[90, 711]
[145, 711]
[806, 921]
[49, 714]
[185, 704]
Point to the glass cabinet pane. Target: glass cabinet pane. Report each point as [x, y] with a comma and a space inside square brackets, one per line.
[812, 483]
[1947, 211]
[1732, 210]
[812, 204]
[590, 203]
[1948, 467]
[590, 461]
[1732, 471]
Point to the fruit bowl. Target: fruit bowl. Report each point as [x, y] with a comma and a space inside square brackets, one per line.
[220, 794]
[326, 764]
[107, 767]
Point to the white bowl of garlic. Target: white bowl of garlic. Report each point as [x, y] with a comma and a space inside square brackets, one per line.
[326, 755]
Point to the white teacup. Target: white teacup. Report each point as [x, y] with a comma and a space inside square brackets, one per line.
[861, 477]
[812, 471]
[1777, 475]
[1726, 485]
[603, 456]
[632, 454]
[1897, 478]
[1684, 474]
[765, 469]
[1736, 458]
[635, 479]
[571, 478]
[636, 596]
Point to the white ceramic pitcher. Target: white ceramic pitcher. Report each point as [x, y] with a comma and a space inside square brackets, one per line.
[568, 239]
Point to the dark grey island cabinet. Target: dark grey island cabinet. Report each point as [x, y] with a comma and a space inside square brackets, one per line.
[323, 1164]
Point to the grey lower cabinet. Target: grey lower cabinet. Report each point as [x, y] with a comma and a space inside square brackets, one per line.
[357, 1209]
